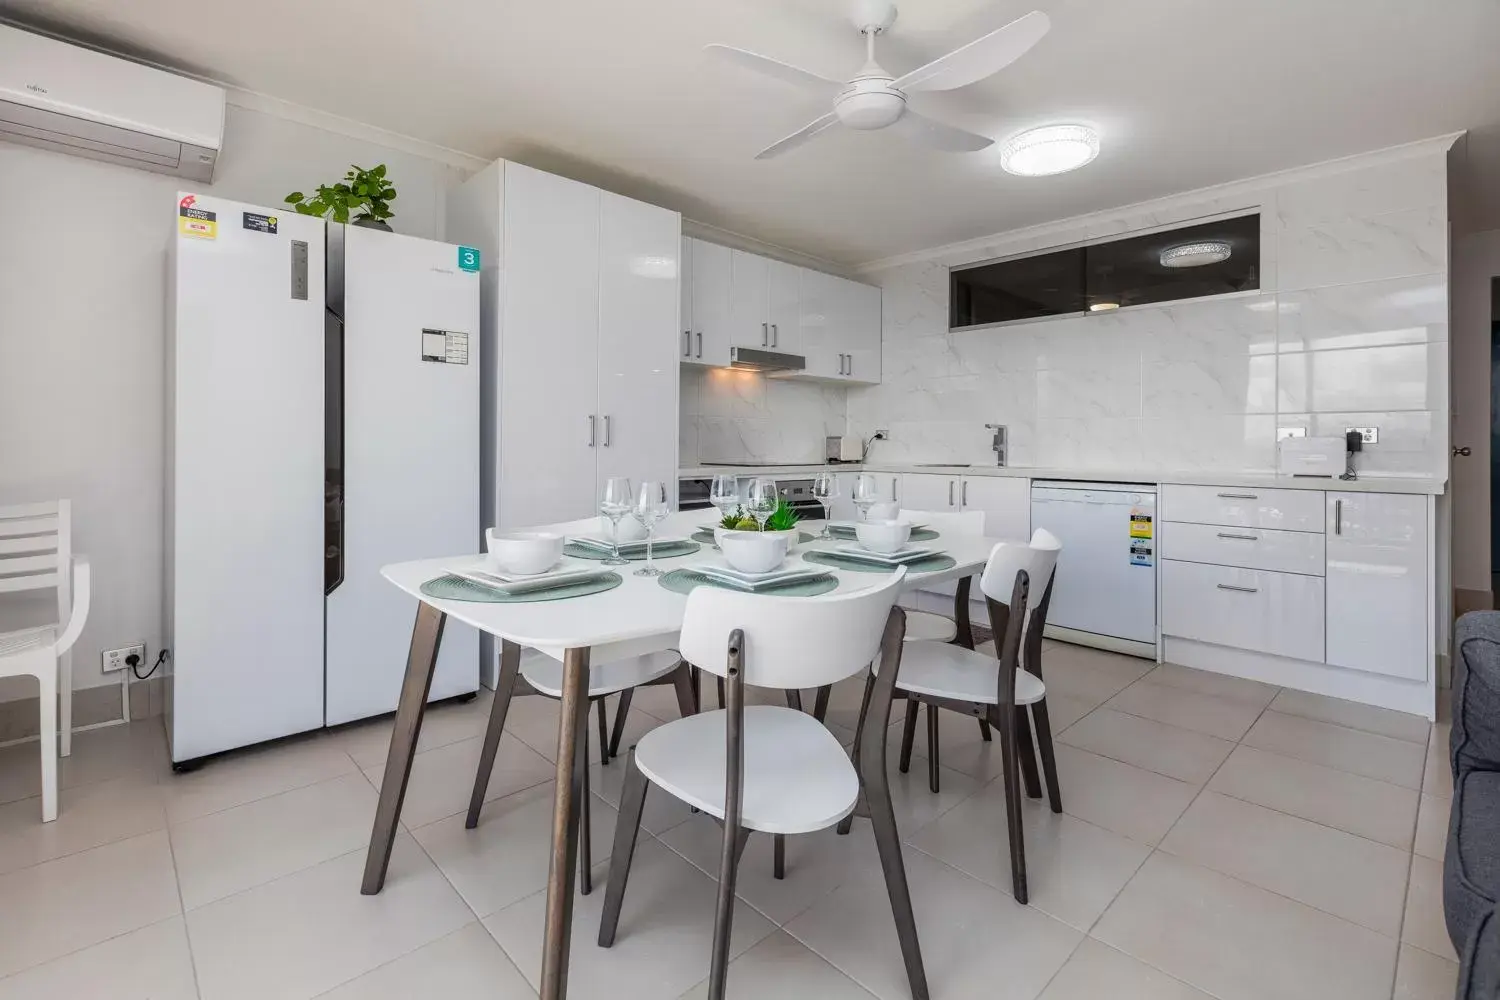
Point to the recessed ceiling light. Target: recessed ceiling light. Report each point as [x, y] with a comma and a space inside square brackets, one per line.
[1195, 254]
[1099, 307]
[1051, 149]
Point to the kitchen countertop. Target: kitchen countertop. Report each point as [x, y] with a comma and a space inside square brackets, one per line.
[1253, 480]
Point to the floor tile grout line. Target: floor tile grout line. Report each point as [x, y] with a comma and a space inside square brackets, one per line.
[187, 933]
[113, 937]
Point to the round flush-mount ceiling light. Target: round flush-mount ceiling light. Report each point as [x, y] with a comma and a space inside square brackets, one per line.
[1195, 254]
[1051, 149]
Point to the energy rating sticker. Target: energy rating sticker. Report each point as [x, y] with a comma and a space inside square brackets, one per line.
[1140, 524]
[198, 223]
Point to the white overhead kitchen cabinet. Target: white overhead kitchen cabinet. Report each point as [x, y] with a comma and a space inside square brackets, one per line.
[581, 296]
[733, 298]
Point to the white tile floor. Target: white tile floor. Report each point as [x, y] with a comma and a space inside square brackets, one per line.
[1220, 838]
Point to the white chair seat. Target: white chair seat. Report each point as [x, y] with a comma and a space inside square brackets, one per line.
[798, 778]
[946, 671]
[544, 673]
[924, 626]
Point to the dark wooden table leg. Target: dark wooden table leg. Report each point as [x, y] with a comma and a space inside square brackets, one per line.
[557, 931]
[426, 635]
[820, 703]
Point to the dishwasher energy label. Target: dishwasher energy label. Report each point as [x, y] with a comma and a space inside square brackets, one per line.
[1140, 537]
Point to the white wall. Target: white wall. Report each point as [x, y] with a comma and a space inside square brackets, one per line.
[744, 417]
[82, 253]
[1476, 262]
[1349, 328]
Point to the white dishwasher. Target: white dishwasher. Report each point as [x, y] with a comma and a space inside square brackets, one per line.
[1105, 594]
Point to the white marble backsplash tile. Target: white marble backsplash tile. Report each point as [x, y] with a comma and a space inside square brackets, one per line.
[1369, 314]
[1347, 250]
[739, 416]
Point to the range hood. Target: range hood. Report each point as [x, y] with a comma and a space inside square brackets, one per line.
[755, 360]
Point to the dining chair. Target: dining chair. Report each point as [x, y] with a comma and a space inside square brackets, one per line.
[769, 769]
[36, 554]
[544, 675]
[1005, 689]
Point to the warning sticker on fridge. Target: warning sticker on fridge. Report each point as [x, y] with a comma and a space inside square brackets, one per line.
[1140, 524]
[445, 347]
[1140, 552]
[199, 223]
[260, 223]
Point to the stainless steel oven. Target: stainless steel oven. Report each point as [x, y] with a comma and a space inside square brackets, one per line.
[798, 493]
[692, 494]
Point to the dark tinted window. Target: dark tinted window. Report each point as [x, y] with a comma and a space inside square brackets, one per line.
[1130, 272]
[1049, 284]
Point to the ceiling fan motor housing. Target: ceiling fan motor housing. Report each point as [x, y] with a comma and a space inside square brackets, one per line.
[870, 103]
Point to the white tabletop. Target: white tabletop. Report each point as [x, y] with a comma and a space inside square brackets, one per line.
[641, 615]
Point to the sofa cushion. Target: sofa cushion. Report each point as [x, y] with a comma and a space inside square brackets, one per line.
[1476, 693]
[1479, 973]
[1471, 864]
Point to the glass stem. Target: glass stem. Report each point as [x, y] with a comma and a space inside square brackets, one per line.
[614, 537]
[650, 555]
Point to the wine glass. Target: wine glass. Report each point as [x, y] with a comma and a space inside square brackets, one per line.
[825, 488]
[764, 496]
[866, 494]
[724, 493]
[616, 502]
[650, 507]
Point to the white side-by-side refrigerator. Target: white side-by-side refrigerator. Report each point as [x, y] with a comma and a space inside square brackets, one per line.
[323, 421]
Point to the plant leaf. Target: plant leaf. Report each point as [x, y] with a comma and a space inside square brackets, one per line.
[294, 196]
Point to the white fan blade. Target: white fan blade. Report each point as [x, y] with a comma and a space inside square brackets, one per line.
[784, 72]
[939, 135]
[980, 58]
[798, 137]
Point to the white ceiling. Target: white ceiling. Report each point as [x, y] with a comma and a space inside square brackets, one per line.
[1186, 93]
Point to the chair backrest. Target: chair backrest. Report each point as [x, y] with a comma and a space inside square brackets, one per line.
[790, 642]
[1038, 558]
[967, 522]
[36, 550]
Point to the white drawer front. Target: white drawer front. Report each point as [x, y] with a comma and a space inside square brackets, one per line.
[1251, 548]
[1245, 507]
[1276, 613]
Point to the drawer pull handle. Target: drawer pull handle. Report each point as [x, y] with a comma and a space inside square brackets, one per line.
[1242, 590]
[1239, 496]
[1244, 538]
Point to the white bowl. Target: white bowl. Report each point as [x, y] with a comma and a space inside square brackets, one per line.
[754, 551]
[885, 511]
[524, 552]
[631, 530]
[883, 536]
[792, 535]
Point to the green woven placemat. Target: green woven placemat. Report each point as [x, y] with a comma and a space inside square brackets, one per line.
[706, 536]
[661, 550]
[456, 588]
[929, 565]
[917, 534]
[682, 581]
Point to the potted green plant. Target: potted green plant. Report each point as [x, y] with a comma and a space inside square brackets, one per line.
[783, 521]
[363, 197]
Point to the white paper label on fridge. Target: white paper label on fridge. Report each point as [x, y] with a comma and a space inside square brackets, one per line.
[445, 347]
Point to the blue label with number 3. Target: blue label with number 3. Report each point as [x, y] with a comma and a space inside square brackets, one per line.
[468, 259]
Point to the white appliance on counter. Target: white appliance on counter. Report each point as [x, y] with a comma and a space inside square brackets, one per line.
[1105, 590]
[323, 421]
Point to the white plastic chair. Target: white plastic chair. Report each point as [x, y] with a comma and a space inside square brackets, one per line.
[770, 769]
[36, 554]
[999, 689]
[928, 625]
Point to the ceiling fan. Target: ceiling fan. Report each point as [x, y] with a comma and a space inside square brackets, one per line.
[874, 99]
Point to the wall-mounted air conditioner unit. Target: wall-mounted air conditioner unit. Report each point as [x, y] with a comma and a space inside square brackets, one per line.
[75, 100]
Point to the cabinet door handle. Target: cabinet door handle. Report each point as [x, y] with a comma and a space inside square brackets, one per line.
[700, 343]
[606, 430]
[964, 495]
[1243, 538]
[687, 343]
[851, 364]
[1239, 496]
[950, 493]
[775, 336]
[1242, 590]
[893, 487]
[765, 335]
[1338, 517]
[591, 430]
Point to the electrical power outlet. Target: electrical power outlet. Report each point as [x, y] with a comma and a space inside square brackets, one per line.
[1371, 435]
[114, 659]
[882, 435]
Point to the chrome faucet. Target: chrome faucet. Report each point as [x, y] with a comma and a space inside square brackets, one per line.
[998, 444]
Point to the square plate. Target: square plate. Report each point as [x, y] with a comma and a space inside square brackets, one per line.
[723, 573]
[601, 544]
[911, 553]
[847, 527]
[559, 576]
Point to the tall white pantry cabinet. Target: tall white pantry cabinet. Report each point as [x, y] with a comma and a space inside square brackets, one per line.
[580, 292]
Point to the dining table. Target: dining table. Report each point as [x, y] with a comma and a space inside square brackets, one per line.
[638, 616]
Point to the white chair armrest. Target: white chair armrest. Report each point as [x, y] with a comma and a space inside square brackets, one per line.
[80, 612]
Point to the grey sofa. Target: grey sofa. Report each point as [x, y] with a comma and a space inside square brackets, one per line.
[1471, 863]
